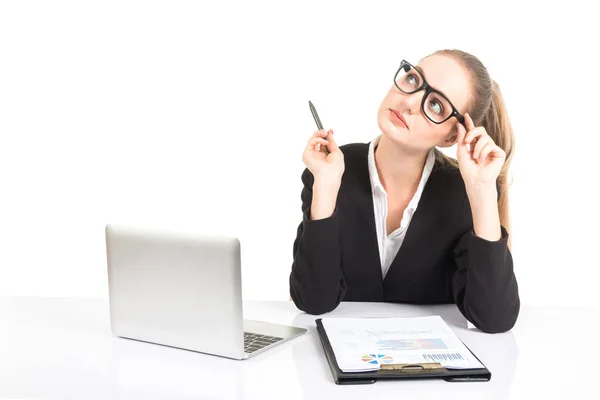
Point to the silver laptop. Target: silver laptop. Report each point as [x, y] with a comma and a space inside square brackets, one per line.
[183, 289]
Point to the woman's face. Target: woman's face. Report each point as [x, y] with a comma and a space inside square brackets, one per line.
[419, 133]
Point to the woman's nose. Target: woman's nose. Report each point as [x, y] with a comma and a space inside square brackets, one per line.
[413, 101]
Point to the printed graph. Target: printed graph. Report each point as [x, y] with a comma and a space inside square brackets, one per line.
[377, 359]
[411, 344]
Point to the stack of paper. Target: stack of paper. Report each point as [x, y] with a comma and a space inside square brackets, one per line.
[364, 344]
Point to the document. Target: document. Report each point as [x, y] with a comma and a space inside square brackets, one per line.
[364, 344]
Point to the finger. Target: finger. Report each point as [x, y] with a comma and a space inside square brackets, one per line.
[488, 149]
[333, 146]
[320, 133]
[320, 141]
[461, 131]
[323, 148]
[474, 133]
[314, 141]
[481, 143]
[469, 122]
[310, 144]
[496, 152]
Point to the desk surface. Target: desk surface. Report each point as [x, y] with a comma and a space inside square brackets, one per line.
[62, 348]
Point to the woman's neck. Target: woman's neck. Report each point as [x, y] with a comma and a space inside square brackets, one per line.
[399, 169]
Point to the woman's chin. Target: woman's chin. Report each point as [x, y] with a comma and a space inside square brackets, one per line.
[393, 131]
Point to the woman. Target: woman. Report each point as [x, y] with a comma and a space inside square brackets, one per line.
[396, 220]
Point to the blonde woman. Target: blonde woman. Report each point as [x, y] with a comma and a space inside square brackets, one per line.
[395, 220]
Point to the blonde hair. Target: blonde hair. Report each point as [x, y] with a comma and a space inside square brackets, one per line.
[487, 109]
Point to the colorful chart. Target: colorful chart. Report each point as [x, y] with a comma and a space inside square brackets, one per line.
[377, 359]
[411, 344]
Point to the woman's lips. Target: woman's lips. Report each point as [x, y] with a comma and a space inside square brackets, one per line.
[398, 119]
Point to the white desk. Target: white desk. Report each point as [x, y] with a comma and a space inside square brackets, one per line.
[63, 349]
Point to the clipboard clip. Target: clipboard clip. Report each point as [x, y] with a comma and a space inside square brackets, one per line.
[412, 367]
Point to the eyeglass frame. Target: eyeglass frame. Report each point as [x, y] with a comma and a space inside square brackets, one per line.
[428, 89]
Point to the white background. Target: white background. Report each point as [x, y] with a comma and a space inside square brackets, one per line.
[196, 113]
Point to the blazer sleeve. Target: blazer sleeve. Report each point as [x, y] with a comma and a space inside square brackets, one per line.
[317, 284]
[484, 286]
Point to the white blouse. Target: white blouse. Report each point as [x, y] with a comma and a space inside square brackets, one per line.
[389, 245]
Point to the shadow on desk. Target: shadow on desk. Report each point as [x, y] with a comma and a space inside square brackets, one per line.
[498, 352]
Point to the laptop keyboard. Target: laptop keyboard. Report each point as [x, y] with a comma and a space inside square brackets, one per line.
[254, 341]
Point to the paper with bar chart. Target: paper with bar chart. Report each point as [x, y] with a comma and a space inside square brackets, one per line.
[364, 344]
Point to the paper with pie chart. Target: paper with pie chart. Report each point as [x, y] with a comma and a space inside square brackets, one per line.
[364, 344]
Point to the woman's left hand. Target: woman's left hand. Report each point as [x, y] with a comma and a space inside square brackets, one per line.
[481, 163]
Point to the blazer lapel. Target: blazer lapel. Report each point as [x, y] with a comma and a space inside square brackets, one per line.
[425, 216]
[366, 211]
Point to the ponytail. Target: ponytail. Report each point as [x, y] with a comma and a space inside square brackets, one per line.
[498, 126]
[488, 110]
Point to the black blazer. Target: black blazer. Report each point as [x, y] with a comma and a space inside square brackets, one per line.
[440, 261]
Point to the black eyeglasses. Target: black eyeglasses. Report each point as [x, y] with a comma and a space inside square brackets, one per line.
[436, 107]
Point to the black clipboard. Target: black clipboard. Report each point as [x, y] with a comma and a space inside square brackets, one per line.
[413, 371]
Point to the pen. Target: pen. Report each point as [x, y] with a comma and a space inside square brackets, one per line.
[313, 110]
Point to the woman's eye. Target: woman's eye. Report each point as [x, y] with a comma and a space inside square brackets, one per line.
[436, 107]
[412, 80]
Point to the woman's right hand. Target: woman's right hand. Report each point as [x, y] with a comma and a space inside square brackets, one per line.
[327, 169]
